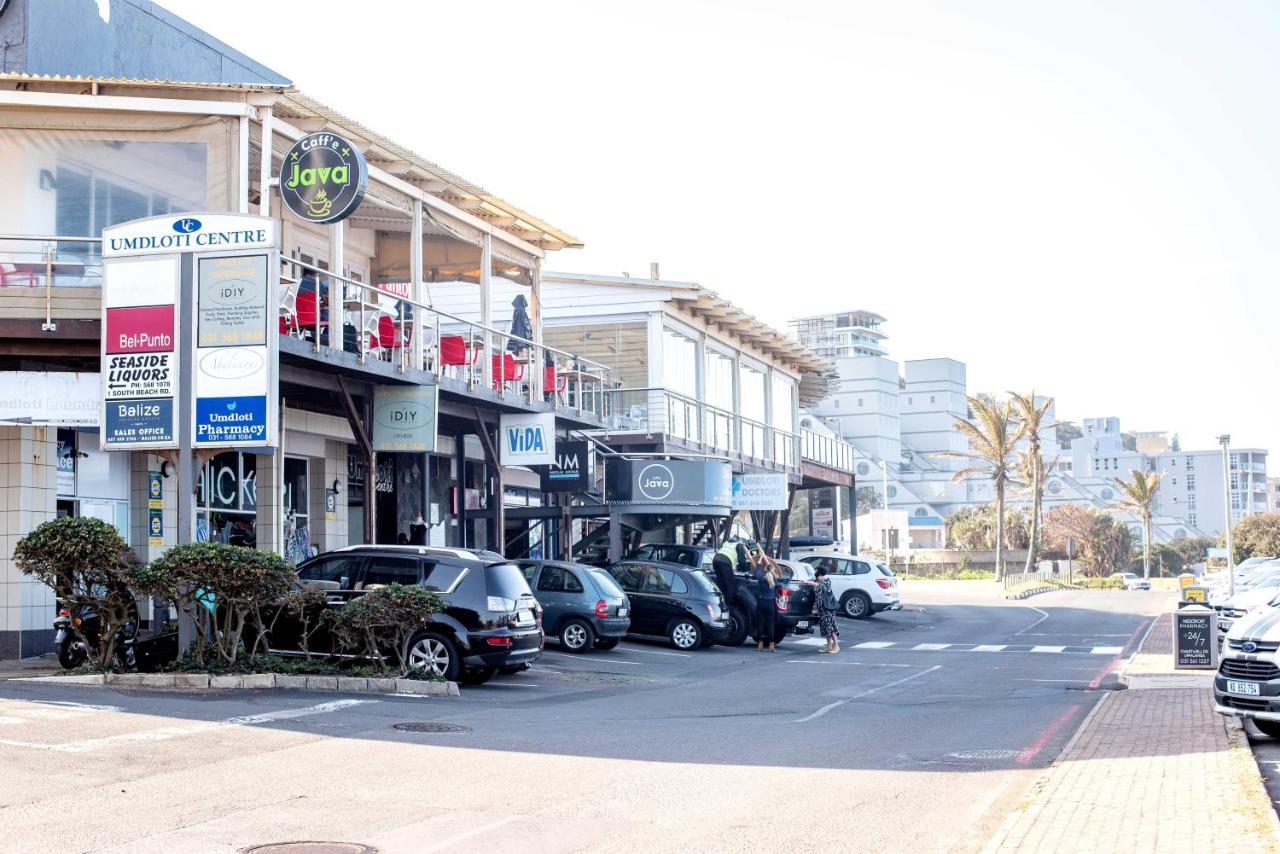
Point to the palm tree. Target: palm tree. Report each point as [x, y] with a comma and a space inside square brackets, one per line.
[1138, 496]
[1032, 417]
[992, 430]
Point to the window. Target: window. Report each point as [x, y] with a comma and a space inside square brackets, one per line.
[837, 403]
[679, 363]
[629, 575]
[390, 570]
[859, 401]
[444, 577]
[331, 573]
[551, 580]
[297, 534]
[654, 580]
[932, 399]
[227, 500]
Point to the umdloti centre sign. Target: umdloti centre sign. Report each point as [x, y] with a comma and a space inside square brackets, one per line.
[198, 290]
[706, 483]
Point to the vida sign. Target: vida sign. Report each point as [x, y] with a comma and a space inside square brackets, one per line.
[528, 440]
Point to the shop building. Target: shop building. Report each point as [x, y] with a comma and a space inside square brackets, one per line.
[194, 127]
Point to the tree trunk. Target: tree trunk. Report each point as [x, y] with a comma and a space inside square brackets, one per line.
[1035, 512]
[999, 531]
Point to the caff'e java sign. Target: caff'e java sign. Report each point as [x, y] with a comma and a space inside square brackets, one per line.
[323, 178]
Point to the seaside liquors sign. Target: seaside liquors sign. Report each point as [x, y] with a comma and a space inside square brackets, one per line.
[223, 264]
[323, 178]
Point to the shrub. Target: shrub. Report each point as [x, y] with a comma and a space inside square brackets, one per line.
[385, 619]
[223, 588]
[1257, 535]
[87, 564]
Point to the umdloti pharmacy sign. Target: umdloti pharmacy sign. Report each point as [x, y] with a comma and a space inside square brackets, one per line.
[193, 291]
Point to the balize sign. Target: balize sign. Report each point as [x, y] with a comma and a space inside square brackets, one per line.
[527, 440]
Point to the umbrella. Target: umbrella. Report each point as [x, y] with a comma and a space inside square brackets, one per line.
[520, 325]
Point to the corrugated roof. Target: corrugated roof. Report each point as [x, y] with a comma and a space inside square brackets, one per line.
[22, 77]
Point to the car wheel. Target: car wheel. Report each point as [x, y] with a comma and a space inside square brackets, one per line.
[738, 628]
[685, 634]
[1268, 728]
[856, 605]
[577, 636]
[477, 675]
[435, 653]
[607, 643]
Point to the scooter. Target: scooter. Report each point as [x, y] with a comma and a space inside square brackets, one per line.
[76, 638]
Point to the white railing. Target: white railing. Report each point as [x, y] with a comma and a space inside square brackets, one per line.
[49, 261]
[825, 450]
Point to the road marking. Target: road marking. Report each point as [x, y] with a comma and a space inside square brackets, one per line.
[580, 658]
[931, 646]
[653, 652]
[511, 684]
[165, 733]
[1107, 650]
[1044, 615]
[874, 645]
[88, 707]
[808, 661]
[1045, 737]
[989, 647]
[810, 641]
[866, 693]
[1049, 649]
[452, 841]
[905, 646]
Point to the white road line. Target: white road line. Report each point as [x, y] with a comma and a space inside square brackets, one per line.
[989, 647]
[1047, 648]
[166, 733]
[873, 645]
[809, 661]
[512, 684]
[652, 652]
[809, 641]
[580, 658]
[1044, 615]
[928, 646]
[1108, 650]
[829, 706]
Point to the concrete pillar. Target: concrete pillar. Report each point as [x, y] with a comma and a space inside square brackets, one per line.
[28, 498]
[141, 466]
[270, 527]
[328, 533]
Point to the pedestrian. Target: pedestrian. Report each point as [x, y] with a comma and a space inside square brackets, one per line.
[766, 576]
[825, 604]
[722, 566]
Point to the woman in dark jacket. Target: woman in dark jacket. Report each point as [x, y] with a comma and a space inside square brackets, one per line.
[766, 577]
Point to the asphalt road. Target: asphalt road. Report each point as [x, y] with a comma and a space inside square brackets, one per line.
[924, 739]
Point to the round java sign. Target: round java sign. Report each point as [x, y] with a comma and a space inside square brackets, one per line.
[323, 178]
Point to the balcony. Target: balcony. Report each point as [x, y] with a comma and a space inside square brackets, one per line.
[50, 278]
[826, 451]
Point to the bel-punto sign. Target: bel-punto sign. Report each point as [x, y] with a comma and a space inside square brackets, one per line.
[219, 266]
[527, 440]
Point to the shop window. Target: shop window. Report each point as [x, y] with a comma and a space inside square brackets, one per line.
[297, 533]
[227, 500]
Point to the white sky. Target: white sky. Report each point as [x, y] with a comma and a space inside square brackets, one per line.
[1071, 195]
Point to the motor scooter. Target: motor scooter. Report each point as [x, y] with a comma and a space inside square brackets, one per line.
[76, 638]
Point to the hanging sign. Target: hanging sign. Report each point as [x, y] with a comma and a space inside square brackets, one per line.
[572, 470]
[155, 491]
[642, 481]
[323, 178]
[759, 492]
[527, 439]
[404, 418]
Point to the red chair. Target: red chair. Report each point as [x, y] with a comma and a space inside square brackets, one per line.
[552, 382]
[507, 370]
[11, 275]
[308, 311]
[387, 332]
[454, 351]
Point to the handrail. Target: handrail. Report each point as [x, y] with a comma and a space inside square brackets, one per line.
[50, 262]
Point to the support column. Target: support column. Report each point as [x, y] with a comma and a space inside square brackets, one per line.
[242, 188]
[615, 537]
[270, 527]
[336, 314]
[460, 479]
[265, 161]
[486, 310]
[328, 534]
[784, 539]
[535, 320]
[28, 499]
[853, 517]
[420, 324]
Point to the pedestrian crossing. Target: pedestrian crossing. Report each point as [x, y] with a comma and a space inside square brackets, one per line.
[905, 646]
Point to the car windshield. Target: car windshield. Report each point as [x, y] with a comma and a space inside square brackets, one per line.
[605, 582]
[505, 579]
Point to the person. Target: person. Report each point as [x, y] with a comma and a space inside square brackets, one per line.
[722, 566]
[402, 539]
[766, 577]
[825, 606]
[418, 531]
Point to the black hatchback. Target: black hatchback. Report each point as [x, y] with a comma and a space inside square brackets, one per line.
[672, 601]
[490, 619]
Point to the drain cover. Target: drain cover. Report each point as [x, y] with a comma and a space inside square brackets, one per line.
[311, 848]
[985, 754]
[430, 726]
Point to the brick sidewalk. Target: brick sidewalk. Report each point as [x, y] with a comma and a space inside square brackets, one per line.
[1149, 770]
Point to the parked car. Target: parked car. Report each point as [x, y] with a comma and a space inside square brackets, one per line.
[1245, 601]
[794, 605]
[490, 618]
[699, 557]
[1131, 580]
[673, 601]
[1260, 573]
[1247, 684]
[582, 606]
[862, 587]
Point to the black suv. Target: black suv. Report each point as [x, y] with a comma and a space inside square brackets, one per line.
[668, 599]
[490, 620]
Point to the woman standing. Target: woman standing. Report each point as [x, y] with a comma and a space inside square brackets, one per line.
[766, 577]
[825, 604]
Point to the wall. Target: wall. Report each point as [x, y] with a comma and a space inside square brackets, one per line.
[28, 498]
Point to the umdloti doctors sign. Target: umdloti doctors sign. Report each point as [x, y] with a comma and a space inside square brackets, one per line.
[197, 290]
[527, 439]
[759, 492]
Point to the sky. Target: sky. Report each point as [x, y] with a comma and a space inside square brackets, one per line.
[1075, 197]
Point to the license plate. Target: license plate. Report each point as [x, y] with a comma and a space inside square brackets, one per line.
[622, 612]
[803, 624]
[1253, 689]
[524, 616]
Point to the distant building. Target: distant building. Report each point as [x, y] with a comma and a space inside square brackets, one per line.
[1273, 494]
[845, 335]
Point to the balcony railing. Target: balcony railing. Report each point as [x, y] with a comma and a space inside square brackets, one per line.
[825, 450]
[659, 410]
[48, 261]
[378, 325]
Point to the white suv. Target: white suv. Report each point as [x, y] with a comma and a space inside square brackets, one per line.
[862, 587]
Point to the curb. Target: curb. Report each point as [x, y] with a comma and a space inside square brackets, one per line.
[1027, 594]
[1238, 739]
[206, 681]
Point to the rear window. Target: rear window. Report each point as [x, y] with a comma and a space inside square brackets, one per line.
[505, 579]
[703, 581]
[443, 577]
[605, 582]
[884, 570]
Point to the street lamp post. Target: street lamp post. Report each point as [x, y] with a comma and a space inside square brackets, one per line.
[1225, 441]
[884, 485]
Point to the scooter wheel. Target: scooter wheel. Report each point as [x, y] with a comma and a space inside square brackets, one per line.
[70, 654]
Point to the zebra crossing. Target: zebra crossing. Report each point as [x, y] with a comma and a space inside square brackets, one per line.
[906, 646]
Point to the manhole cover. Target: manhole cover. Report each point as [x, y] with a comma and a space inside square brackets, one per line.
[311, 848]
[429, 726]
[984, 754]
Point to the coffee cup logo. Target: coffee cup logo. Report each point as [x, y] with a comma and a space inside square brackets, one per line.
[323, 178]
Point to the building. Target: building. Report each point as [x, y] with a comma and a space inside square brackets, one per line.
[845, 335]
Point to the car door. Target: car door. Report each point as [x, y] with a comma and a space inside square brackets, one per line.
[665, 603]
[550, 593]
[645, 604]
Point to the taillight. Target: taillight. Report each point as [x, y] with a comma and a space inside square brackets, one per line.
[499, 641]
[64, 613]
[784, 600]
[711, 612]
[884, 583]
[602, 609]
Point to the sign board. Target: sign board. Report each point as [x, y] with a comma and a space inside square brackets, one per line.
[232, 297]
[330, 506]
[155, 491]
[39, 397]
[323, 178]
[527, 439]
[824, 522]
[66, 462]
[155, 527]
[759, 492]
[138, 424]
[572, 470]
[1195, 593]
[404, 418]
[1195, 639]
[643, 481]
[165, 235]
[140, 375]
